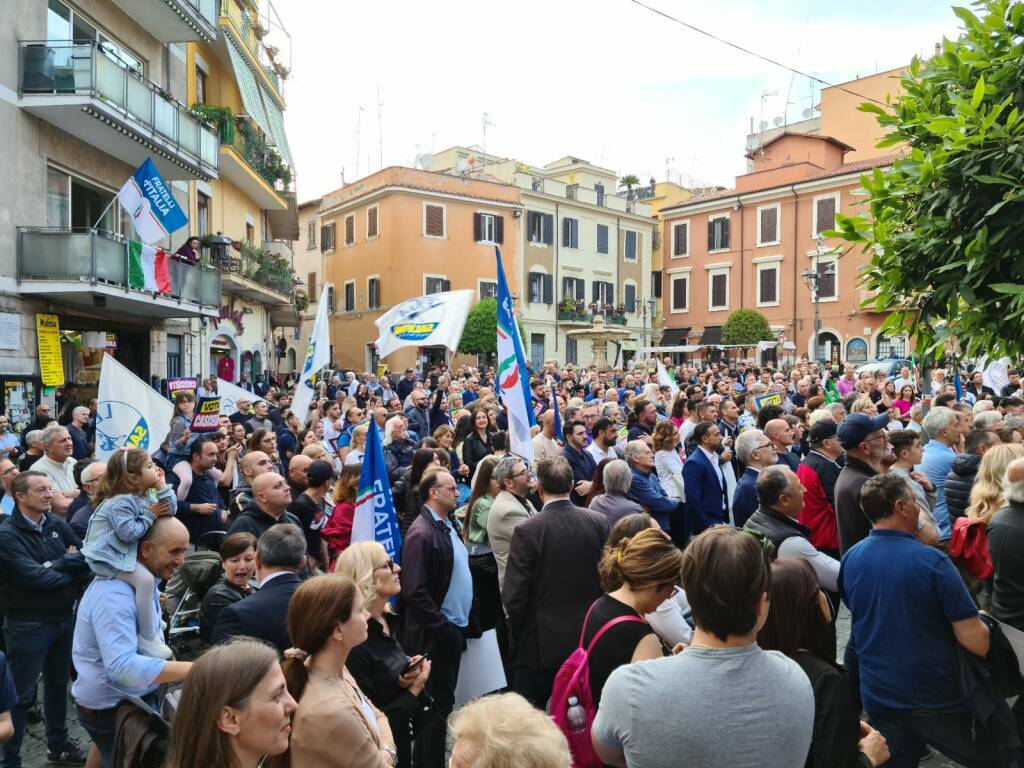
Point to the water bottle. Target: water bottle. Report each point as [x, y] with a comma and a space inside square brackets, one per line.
[576, 716]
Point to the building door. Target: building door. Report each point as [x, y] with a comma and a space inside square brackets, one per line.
[828, 347]
[536, 351]
[173, 356]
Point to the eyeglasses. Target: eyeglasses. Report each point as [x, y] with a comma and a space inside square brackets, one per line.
[451, 487]
[877, 437]
[520, 473]
[766, 445]
[389, 564]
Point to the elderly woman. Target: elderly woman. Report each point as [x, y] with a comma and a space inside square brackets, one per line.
[613, 503]
[238, 560]
[504, 729]
[379, 664]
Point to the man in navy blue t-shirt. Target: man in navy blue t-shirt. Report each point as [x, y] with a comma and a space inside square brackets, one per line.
[910, 610]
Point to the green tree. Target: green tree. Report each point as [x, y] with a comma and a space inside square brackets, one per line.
[629, 181]
[943, 230]
[746, 326]
[480, 334]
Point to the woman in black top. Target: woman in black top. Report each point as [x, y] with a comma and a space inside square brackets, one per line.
[377, 663]
[238, 560]
[478, 442]
[637, 574]
[798, 626]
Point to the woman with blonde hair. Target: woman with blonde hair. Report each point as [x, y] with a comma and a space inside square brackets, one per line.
[357, 446]
[505, 730]
[335, 725]
[379, 664]
[987, 491]
[235, 709]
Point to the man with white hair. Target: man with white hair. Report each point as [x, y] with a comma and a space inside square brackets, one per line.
[57, 464]
[756, 452]
[983, 405]
[79, 440]
[1006, 546]
[942, 426]
[33, 449]
[90, 480]
[988, 419]
[613, 504]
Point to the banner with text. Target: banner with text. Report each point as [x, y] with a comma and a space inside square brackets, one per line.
[206, 416]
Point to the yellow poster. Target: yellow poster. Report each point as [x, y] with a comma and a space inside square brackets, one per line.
[51, 364]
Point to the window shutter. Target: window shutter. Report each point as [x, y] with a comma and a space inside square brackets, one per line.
[549, 228]
[350, 230]
[718, 297]
[477, 228]
[656, 284]
[602, 238]
[311, 286]
[371, 222]
[435, 221]
[549, 282]
[827, 279]
[499, 229]
[825, 215]
[768, 286]
[769, 229]
[610, 292]
[630, 291]
[323, 238]
[711, 235]
[725, 232]
[446, 285]
[565, 233]
[679, 293]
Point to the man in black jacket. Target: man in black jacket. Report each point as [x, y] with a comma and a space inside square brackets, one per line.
[279, 556]
[42, 573]
[308, 509]
[550, 581]
[270, 499]
[962, 474]
[437, 598]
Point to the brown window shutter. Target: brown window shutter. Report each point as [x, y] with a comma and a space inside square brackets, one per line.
[311, 285]
[718, 297]
[371, 223]
[435, 221]
[768, 287]
[499, 229]
[769, 225]
[825, 215]
[350, 230]
[679, 293]
[477, 227]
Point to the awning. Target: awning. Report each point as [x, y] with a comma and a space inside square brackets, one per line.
[276, 132]
[712, 335]
[672, 337]
[251, 100]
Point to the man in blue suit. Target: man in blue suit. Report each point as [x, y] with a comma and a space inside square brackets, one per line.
[703, 482]
[646, 490]
[755, 450]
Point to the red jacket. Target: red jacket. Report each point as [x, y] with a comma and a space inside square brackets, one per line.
[968, 547]
[818, 476]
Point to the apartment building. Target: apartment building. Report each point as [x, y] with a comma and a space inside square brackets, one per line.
[309, 271]
[404, 232]
[90, 89]
[585, 250]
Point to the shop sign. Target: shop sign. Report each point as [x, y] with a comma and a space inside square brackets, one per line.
[51, 363]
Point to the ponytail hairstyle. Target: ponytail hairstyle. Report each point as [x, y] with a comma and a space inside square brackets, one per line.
[647, 558]
[124, 474]
[315, 610]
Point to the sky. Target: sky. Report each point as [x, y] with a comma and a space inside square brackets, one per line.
[605, 80]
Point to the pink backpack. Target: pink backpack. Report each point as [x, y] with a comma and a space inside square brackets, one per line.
[573, 681]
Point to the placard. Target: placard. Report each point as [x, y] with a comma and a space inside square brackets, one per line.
[772, 398]
[206, 417]
[174, 386]
[480, 671]
[10, 330]
[51, 364]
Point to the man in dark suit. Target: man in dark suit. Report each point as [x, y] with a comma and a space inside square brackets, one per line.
[756, 451]
[706, 501]
[580, 460]
[279, 556]
[550, 580]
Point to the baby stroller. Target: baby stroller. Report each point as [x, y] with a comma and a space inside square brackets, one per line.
[185, 592]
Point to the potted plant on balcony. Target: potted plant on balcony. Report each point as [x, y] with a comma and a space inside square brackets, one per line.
[620, 311]
[220, 118]
[567, 307]
[258, 29]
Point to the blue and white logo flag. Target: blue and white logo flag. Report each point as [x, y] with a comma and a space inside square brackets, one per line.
[129, 412]
[148, 200]
[230, 394]
[436, 320]
[375, 518]
[513, 383]
[317, 356]
[554, 407]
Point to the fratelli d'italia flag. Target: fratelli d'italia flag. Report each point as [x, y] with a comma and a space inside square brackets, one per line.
[148, 200]
[148, 268]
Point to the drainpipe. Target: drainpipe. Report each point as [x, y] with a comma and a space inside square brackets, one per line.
[554, 277]
[796, 262]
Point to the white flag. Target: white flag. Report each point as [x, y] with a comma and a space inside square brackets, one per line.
[229, 394]
[129, 412]
[426, 321]
[667, 381]
[317, 356]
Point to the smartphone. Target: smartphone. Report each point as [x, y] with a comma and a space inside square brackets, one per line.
[412, 666]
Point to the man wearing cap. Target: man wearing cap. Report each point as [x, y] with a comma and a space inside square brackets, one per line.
[818, 473]
[867, 446]
[405, 385]
[309, 509]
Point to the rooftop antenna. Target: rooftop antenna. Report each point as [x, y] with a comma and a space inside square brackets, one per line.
[380, 128]
[762, 123]
[486, 121]
[359, 118]
[668, 162]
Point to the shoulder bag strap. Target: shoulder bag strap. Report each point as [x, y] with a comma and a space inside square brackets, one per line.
[609, 625]
[586, 618]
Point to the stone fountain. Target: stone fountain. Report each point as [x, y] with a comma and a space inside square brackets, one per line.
[599, 335]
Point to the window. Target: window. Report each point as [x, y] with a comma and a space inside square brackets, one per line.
[575, 288]
[350, 229]
[825, 213]
[371, 223]
[436, 285]
[58, 199]
[373, 293]
[718, 234]
[350, 296]
[629, 289]
[173, 355]
[488, 228]
[175, 74]
[572, 191]
[718, 290]
[681, 239]
[311, 234]
[602, 238]
[767, 284]
[433, 220]
[599, 189]
[202, 214]
[602, 292]
[570, 233]
[200, 86]
[768, 225]
[631, 240]
[330, 299]
[656, 284]
[540, 288]
[488, 289]
[570, 351]
[680, 293]
[327, 237]
[537, 351]
[311, 287]
[828, 286]
[889, 347]
[540, 227]
[250, 233]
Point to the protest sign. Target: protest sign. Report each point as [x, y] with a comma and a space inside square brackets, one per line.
[206, 416]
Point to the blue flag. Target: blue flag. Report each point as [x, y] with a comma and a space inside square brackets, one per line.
[375, 518]
[148, 200]
[558, 416]
[957, 386]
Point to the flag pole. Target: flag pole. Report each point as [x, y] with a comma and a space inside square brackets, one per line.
[109, 206]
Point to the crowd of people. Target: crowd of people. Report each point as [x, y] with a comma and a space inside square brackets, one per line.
[689, 537]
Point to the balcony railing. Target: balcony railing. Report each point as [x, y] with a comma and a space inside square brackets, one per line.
[639, 193]
[265, 269]
[586, 316]
[205, 8]
[258, 33]
[90, 68]
[251, 144]
[93, 257]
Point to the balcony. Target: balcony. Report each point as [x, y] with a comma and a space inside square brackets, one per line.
[586, 316]
[639, 193]
[258, 276]
[90, 269]
[175, 21]
[90, 94]
[254, 166]
[261, 36]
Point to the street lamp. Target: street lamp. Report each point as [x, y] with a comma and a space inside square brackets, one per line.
[812, 279]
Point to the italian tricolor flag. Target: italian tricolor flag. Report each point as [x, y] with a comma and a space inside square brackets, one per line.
[148, 268]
